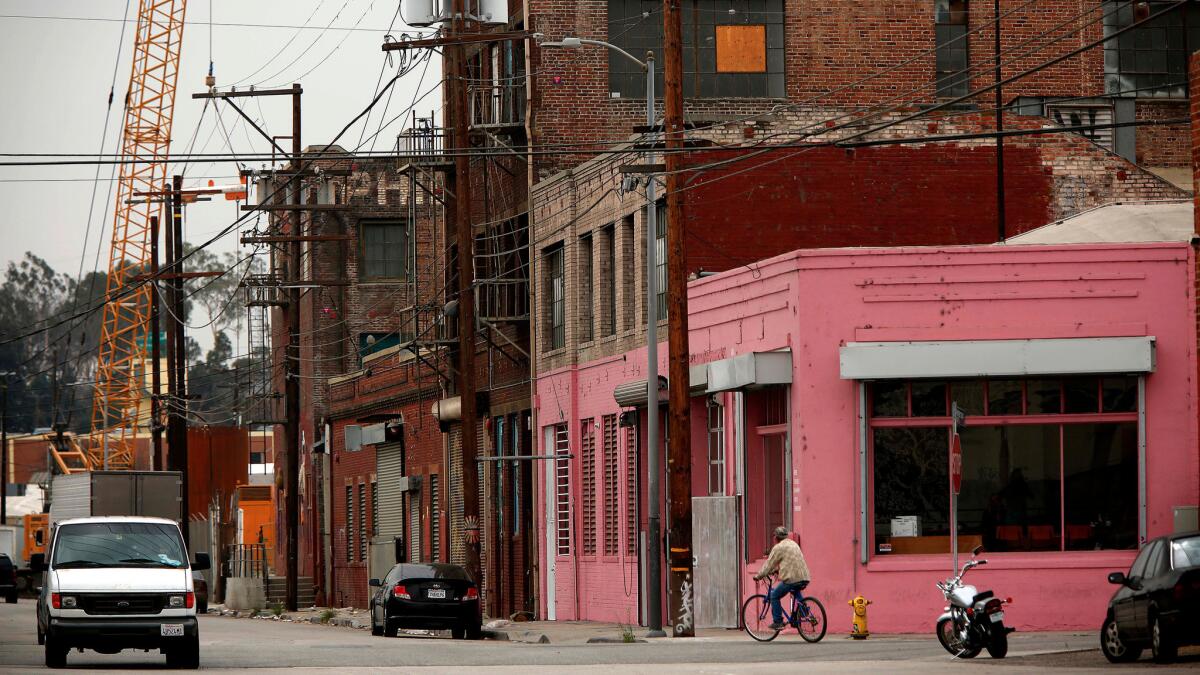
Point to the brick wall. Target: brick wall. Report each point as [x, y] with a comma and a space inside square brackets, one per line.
[746, 205]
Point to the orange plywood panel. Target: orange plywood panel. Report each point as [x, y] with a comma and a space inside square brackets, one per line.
[742, 49]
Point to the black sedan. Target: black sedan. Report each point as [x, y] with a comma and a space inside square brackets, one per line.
[8, 579]
[1158, 604]
[426, 595]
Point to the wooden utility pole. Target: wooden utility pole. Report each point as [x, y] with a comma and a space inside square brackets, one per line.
[1001, 224]
[155, 353]
[291, 369]
[681, 609]
[177, 425]
[466, 293]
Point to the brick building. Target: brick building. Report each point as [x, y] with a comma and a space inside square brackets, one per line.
[827, 75]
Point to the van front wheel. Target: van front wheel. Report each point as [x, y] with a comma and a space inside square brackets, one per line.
[56, 653]
[186, 655]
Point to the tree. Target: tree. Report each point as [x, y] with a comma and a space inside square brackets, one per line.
[221, 352]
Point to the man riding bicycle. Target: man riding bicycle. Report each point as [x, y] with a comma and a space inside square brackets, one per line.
[787, 560]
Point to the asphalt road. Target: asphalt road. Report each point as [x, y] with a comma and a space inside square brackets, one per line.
[230, 644]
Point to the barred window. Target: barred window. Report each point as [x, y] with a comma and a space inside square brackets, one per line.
[587, 453]
[349, 523]
[435, 539]
[611, 487]
[631, 491]
[556, 295]
[585, 287]
[362, 521]
[562, 488]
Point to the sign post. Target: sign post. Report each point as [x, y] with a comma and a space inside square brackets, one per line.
[958, 417]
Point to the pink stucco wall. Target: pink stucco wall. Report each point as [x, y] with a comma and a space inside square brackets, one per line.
[815, 301]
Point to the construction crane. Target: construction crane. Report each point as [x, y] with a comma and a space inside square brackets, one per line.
[145, 141]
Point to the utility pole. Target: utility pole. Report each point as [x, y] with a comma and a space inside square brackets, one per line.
[4, 448]
[679, 437]
[177, 424]
[466, 292]
[155, 368]
[291, 387]
[1001, 224]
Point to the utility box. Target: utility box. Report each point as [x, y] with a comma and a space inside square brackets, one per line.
[1186, 519]
[421, 13]
[10, 543]
[157, 494]
[493, 11]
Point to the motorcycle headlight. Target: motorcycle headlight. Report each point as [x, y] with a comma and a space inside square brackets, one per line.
[175, 601]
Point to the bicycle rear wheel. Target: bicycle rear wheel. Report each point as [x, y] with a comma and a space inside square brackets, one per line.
[811, 622]
[756, 618]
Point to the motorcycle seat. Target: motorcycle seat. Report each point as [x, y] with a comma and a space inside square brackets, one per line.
[981, 596]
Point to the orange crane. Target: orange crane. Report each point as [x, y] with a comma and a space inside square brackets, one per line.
[120, 373]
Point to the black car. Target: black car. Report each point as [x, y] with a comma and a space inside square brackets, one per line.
[1158, 604]
[200, 584]
[8, 579]
[426, 595]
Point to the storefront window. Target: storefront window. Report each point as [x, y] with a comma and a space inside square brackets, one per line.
[1049, 464]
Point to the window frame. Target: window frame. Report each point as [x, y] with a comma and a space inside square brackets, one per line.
[868, 422]
[1119, 14]
[556, 290]
[407, 253]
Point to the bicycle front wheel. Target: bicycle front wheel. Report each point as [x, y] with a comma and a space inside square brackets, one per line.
[811, 622]
[756, 618]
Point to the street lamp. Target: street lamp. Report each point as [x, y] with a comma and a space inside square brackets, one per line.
[653, 517]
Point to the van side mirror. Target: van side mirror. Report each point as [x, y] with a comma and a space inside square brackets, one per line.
[374, 583]
[37, 562]
[202, 562]
[1117, 578]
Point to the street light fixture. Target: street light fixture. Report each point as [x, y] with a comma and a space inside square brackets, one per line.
[653, 460]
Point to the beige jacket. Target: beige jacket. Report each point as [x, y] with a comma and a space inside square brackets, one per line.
[787, 560]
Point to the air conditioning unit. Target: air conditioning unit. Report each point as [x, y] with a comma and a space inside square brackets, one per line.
[421, 13]
[353, 437]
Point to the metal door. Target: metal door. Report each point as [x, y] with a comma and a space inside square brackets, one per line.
[714, 535]
[390, 468]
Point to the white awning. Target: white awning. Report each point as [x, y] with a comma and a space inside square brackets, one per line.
[749, 371]
[996, 358]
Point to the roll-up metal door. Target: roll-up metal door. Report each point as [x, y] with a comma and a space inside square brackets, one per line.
[390, 469]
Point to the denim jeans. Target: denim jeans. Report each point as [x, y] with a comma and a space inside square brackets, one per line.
[779, 592]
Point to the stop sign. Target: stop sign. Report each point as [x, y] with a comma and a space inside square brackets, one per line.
[956, 464]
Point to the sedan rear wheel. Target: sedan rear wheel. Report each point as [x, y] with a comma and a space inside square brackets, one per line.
[1114, 647]
[1161, 643]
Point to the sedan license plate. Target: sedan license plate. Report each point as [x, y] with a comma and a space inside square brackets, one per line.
[171, 630]
[996, 617]
[436, 594]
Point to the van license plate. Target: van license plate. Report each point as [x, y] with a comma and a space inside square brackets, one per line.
[436, 594]
[996, 617]
[171, 630]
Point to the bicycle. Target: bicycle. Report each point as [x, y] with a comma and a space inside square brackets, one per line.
[807, 615]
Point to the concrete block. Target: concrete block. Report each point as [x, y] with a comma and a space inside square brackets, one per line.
[244, 593]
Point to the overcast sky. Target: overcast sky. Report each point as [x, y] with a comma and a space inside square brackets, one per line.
[56, 80]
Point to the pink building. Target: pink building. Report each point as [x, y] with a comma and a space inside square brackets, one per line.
[822, 387]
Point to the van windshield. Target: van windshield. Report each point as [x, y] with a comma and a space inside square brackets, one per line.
[119, 545]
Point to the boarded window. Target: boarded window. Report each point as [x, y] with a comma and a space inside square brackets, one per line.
[741, 49]
[730, 49]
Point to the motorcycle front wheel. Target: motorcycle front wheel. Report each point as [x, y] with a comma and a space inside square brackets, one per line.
[949, 637]
[998, 647]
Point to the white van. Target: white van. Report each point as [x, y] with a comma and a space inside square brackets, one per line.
[117, 583]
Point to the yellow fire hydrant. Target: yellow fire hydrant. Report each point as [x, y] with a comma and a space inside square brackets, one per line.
[858, 629]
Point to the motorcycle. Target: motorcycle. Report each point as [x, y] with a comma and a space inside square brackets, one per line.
[972, 621]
